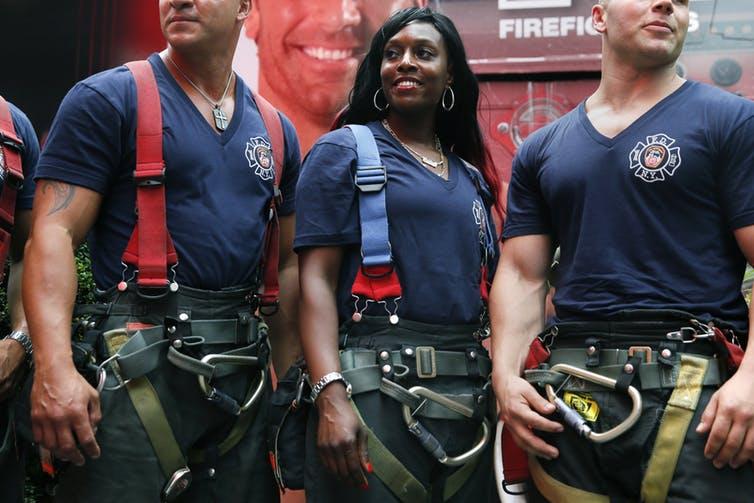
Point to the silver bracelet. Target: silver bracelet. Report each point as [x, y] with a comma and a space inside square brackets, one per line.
[23, 339]
[327, 379]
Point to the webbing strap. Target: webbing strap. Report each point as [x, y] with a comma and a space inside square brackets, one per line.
[150, 249]
[390, 470]
[458, 478]
[149, 409]
[271, 254]
[239, 429]
[556, 491]
[675, 422]
[12, 170]
[376, 278]
[370, 180]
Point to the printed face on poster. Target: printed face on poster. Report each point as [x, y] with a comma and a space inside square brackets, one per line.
[303, 55]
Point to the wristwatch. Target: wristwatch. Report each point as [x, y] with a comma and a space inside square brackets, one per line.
[23, 339]
[325, 381]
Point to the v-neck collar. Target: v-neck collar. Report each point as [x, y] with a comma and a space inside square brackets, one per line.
[609, 142]
[221, 136]
[452, 180]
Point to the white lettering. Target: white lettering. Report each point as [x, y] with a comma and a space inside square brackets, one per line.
[567, 24]
[693, 21]
[507, 26]
[548, 27]
[532, 27]
[589, 27]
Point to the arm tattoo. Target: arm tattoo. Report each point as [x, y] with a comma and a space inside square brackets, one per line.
[63, 194]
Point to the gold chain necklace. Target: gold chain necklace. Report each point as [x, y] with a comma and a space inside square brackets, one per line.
[221, 120]
[437, 167]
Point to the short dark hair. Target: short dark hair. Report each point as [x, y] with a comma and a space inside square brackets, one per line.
[457, 128]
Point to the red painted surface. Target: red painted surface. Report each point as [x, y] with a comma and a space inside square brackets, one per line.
[539, 62]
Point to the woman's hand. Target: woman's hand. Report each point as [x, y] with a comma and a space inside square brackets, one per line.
[341, 438]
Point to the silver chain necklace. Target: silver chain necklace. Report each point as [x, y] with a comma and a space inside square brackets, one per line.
[221, 120]
[437, 167]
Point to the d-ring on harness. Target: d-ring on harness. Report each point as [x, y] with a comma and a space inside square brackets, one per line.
[574, 419]
[428, 441]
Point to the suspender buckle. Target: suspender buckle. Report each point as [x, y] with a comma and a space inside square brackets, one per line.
[11, 140]
[149, 174]
[370, 178]
[426, 362]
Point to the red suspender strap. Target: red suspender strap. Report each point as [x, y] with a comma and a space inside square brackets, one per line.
[12, 171]
[271, 252]
[150, 249]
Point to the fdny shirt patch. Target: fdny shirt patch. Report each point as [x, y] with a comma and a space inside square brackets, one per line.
[656, 158]
[259, 154]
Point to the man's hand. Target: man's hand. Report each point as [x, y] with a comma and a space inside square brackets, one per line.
[522, 410]
[65, 412]
[12, 357]
[729, 420]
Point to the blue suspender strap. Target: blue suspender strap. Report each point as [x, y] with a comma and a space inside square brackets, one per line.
[370, 179]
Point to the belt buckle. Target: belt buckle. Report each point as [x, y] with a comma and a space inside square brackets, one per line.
[641, 349]
[426, 354]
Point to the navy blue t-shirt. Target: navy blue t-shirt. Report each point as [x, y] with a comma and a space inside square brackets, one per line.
[29, 156]
[644, 220]
[217, 192]
[433, 225]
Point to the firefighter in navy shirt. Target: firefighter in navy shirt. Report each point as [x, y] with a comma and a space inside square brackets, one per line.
[403, 322]
[182, 419]
[15, 348]
[646, 188]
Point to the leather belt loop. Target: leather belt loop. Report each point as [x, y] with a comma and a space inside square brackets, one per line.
[592, 352]
[385, 361]
[247, 330]
[630, 371]
[472, 362]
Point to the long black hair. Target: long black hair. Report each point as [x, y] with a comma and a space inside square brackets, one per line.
[458, 128]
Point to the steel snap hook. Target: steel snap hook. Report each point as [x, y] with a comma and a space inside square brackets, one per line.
[578, 423]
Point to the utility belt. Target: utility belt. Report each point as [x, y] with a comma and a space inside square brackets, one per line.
[638, 352]
[210, 334]
[439, 372]
[628, 356]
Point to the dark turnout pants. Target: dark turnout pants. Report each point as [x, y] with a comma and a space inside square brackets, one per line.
[383, 415]
[661, 458]
[12, 456]
[613, 472]
[129, 469]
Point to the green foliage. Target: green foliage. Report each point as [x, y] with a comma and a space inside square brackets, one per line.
[85, 294]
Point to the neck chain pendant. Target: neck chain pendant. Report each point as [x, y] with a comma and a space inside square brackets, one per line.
[221, 120]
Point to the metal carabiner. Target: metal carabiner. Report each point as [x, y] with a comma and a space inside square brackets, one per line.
[102, 376]
[210, 391]
[574, 419]
[687, 335]
[428, 441]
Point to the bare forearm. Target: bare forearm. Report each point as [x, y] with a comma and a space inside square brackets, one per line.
[319, 328]
[49, 293]
[15, 305]
[517, 307]
[284, 336]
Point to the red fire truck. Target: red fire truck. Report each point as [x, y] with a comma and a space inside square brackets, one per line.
[537, 59]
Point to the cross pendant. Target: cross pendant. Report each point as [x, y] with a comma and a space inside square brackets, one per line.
[221, 120]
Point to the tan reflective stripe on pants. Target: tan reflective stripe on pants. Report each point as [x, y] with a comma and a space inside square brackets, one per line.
[679, 412]
[149, 409]
[556, 491]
